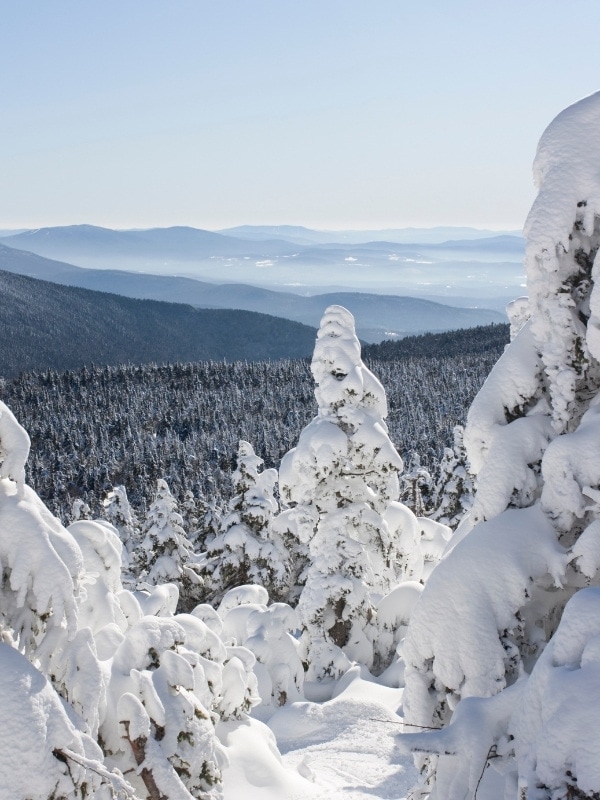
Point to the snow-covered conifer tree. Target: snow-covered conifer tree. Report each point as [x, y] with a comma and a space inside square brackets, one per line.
[119, 513]
[494, 602]
[141, 687]
[247, 550]
[340, 479]
[191, 508]
[80, 510]
[41, 589]
[268, 632]
[203, 516]
[453, 495]
[166, 554]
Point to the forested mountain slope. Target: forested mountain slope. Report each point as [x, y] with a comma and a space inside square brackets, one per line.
[62, 327]
[97, 427]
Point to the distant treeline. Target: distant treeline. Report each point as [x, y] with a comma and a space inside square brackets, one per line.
[481, 339]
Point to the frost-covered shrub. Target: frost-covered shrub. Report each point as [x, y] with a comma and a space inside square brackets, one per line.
[160, 705]
[339, 481]
[393, 614]
[496, 599]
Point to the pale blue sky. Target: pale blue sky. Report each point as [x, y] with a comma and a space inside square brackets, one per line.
[325, 113]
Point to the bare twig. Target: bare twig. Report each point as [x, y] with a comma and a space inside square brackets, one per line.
[406, 724]
[491, 753]
[118, 782]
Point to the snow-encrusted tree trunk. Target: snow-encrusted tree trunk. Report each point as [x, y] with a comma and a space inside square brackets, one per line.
[247, 550]
[340, 479]
[533, 437]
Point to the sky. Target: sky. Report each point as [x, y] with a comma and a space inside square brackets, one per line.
[334, 114]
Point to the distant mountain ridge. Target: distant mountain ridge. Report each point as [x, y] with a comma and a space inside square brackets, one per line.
[173, 243]
[302, 235]
[471, 267]
[377, 316]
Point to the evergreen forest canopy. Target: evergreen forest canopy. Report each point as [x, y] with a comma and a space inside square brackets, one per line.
[99, 427]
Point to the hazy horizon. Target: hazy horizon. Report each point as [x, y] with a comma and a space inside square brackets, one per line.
[516, 230]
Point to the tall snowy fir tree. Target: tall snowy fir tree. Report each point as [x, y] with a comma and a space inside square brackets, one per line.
[118, 511]
[203, 518]
[504, 639]
[340, 479]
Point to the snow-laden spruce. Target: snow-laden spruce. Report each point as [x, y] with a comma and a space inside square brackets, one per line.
[496, 600]
[118, 511]
[246, 549]
[339, 480]
[246, 618]
[166, 554]
[453, 494]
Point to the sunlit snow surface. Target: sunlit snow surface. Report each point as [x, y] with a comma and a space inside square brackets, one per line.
[341, 749]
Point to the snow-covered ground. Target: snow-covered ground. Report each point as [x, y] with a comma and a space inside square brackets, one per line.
[340, 749]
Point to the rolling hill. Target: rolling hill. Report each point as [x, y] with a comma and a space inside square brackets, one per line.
[47, 325]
